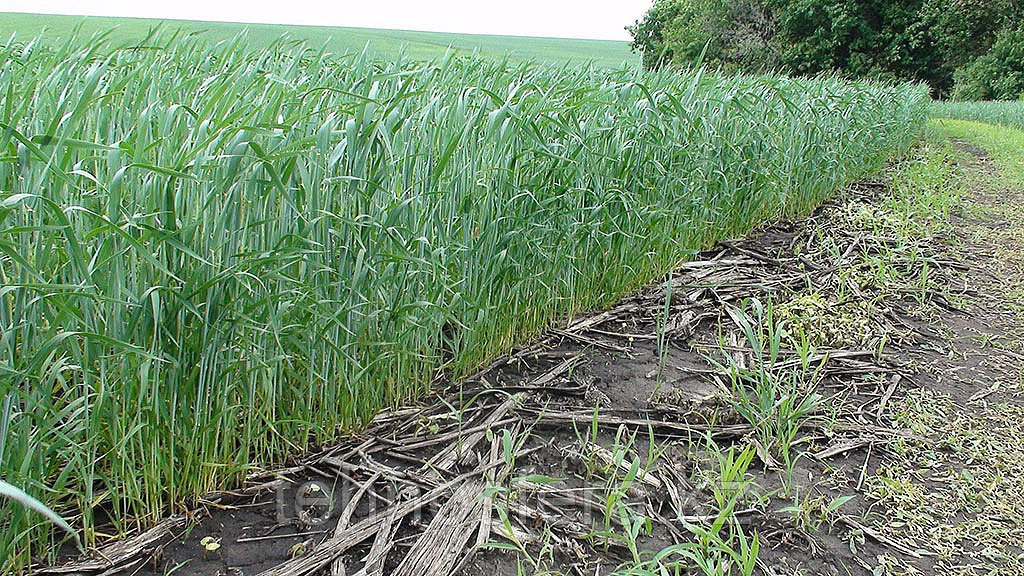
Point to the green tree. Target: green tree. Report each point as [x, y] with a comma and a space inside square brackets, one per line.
[649, 33]
[915, 40]
[875, 38]
[731, 34]
[997, 75]
[961, 31]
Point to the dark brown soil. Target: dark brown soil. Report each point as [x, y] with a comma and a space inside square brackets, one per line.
[954, 342]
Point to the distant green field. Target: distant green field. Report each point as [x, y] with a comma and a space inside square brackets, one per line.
[382, 43]
[1000, 112]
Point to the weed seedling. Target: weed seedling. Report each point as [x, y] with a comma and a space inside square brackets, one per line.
[776, 398]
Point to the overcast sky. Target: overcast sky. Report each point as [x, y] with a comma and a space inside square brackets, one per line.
[602, 19]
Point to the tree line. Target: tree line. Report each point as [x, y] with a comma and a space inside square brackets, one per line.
[963, 49]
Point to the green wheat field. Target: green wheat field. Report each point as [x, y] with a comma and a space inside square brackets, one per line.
[218, 250]
[380, 43]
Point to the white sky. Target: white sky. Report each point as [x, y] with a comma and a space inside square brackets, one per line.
[603, 19]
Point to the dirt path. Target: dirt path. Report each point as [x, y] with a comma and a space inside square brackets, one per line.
[959, 493]
[839, 395]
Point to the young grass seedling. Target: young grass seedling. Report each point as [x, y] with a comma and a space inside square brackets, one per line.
[777, 399]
